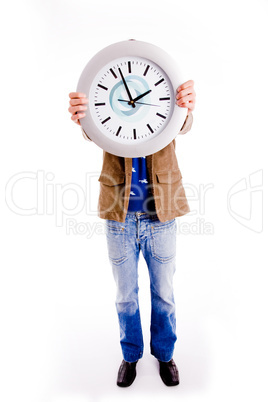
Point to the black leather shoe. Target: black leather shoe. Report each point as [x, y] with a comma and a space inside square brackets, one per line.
[126, 374]
[169, 373]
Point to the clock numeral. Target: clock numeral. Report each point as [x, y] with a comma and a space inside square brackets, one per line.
[100, 104]
[101, 86]
[163, 99]
[146, 70]
[159, 82]
[160, 115]
[112, 71]
[104, 121]
[118, 131]
[150, 128]
[134, 133]
[129, 67]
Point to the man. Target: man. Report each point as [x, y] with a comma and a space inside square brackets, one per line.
[140, 199]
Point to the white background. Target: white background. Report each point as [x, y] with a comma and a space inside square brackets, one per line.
[59, 332]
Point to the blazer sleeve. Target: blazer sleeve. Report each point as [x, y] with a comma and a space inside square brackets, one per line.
[187, 124]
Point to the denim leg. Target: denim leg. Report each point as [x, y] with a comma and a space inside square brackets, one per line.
[123, 253]
[159, 252]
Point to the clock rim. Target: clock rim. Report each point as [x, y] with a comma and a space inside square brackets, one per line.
[160, 57]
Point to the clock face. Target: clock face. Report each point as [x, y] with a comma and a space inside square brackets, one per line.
[131, 100]
[131, 87]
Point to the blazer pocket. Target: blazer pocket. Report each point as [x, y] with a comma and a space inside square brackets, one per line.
[171, 176]
[169, 189]
[111, 179]
[111, 194]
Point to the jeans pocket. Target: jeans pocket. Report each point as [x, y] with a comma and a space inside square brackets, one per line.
[116, 242]
[163, 237]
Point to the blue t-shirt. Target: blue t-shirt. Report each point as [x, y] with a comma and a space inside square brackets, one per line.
[140, 198]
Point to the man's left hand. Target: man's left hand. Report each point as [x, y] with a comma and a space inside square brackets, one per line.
[186, 96]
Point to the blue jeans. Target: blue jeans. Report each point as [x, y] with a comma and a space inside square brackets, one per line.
[157, 241]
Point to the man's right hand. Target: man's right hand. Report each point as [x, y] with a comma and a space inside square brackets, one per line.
[77, 107]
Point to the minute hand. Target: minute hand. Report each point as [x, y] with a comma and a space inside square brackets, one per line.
[142, 95]
[131, 102]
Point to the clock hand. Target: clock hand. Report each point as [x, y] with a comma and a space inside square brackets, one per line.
[142, 95]
[128, 91]
[140, 103]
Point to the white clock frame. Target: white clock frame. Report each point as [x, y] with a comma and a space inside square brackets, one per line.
[167, 64]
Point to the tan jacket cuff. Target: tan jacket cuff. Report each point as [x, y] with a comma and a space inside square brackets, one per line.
[187, 124]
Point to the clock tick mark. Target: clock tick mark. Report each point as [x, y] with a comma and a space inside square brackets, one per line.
[146, 70]
[118, 131]
[103, 87]
[159, 82]
[112, 71]
[104, 121]
[161, 115]
[150, 128]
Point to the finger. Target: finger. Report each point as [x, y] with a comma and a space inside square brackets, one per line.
[184, 99]
[78, 101]
[74, 109]
[73, 95]
[185, 92]
[189, 106]
[77, 116]
[185, 85]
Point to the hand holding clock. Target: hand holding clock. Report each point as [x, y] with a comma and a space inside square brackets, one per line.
[185, 98]
[78, 106]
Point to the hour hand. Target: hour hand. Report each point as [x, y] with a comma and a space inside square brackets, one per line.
[131, 102]
[142, 95]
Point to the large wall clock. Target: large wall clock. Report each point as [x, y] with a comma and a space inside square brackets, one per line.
[131, 87]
